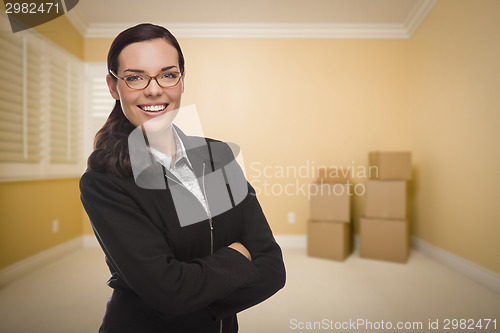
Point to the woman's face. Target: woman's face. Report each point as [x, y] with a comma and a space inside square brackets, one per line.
[149, 57]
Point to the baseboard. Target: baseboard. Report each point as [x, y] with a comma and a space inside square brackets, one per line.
[469, 269]
[30, 264]
[291, 241]
[90, 241]
[300, 241]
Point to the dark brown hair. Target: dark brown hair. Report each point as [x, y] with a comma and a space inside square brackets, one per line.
[111, 152]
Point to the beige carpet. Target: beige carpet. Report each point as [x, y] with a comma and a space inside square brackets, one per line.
[361, 295]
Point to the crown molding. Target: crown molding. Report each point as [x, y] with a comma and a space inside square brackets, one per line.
[418, 15]
[404, 30]
[255, 30]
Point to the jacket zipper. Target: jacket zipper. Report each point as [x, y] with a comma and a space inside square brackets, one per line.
[209, 215]
[206, 209]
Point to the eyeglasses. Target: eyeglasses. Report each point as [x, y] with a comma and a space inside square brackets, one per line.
[141, 81]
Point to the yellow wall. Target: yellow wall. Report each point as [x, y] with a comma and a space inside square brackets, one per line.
[96, 49]
[63, 33]
[27, 209]
[455, 121]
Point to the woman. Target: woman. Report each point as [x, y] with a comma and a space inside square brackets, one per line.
[184, 236]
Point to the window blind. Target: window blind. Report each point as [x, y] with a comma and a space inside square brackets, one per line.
[20, 117]
[41, 107]
[99, 101]
[33, 79]
[75, 109]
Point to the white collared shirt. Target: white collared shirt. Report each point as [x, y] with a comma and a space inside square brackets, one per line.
[181, 168]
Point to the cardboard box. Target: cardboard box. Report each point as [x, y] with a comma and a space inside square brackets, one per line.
[327, 239]
[331, 202]
[334, 175]
[384, 239]
[389, 165]
[385, 199]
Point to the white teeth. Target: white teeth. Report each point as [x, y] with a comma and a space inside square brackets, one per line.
[154, 108]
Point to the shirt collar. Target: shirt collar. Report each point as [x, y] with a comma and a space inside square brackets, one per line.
[180, 153]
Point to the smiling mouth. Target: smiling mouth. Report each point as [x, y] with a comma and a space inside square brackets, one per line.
[153, 108]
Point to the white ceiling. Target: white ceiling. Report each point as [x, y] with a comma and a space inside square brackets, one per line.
[255, 18]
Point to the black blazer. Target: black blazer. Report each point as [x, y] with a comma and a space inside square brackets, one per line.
[171, 275]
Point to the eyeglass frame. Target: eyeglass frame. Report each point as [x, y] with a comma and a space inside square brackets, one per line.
[150, 78]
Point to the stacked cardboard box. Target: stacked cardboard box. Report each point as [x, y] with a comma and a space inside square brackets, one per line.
[384, 230]
[329, 228]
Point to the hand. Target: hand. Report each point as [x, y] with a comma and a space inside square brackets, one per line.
[241, 249]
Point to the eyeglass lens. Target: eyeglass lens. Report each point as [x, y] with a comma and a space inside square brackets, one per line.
[164, 79]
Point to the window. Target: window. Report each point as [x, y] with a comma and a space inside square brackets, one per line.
[64, 114]
[41, 107]
[99, 101]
